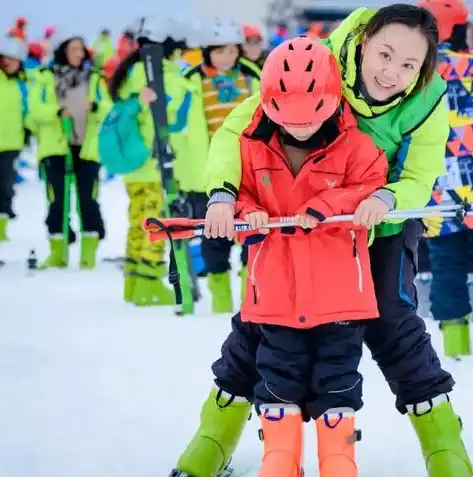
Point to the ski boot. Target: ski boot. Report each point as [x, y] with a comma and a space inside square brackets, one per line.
[58, 255]
[221, 290]
[88, 250]
[149, 289]
[336, 438]
[456, 337]
[222, 420]
[243, 278]
[4, 219]
[438, 430]
[282, 435]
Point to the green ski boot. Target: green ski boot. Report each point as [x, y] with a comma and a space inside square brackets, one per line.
[129, 272]
[88, 250]
[243, 278]
[58, 255]
[221, 290]
[4, 219]
[222, 420]
[149, 288]
[438, 430]
[456, 337]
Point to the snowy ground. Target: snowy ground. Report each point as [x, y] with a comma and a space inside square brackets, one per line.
[92, 387]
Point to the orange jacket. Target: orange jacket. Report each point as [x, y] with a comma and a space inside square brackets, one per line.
[299, 279]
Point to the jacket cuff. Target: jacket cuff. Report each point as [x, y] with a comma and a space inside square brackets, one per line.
[221, 198]
[387, 197]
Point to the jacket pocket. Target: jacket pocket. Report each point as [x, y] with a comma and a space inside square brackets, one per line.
[356, 256]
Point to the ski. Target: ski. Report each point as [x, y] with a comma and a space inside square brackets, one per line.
[152, 56]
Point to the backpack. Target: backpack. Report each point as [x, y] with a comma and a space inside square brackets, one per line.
[121, 146]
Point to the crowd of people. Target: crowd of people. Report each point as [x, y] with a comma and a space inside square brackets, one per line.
[355, 123]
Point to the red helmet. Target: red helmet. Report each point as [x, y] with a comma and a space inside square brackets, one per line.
[448, 13]
[301, 83]
[252, 32]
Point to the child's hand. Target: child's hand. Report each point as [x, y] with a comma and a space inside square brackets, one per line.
[257, 220]
[370, 212]
[147, 96]
[219, 221]
[306, 221]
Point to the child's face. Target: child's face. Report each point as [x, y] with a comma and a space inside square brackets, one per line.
[9, 65]
[302, 134]
[253, 49]
[224, 57]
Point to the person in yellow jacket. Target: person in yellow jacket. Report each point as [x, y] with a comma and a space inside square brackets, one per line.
[145, 267]
[69, 89]
[103, 48]
[221, 82]
[13, 111]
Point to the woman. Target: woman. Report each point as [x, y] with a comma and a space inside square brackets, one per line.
[13, 110]
[388, 61]
[67, 104]
[145, 269]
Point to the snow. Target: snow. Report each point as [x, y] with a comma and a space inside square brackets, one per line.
[93, 387]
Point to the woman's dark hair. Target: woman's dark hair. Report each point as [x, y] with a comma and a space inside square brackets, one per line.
[412, 17]
[60, 56]
[121, 73]
[169, 47]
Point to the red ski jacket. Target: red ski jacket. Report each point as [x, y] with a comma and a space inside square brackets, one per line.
[299, 279]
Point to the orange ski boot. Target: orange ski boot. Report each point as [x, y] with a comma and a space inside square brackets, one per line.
[282, 434]
[336, 437]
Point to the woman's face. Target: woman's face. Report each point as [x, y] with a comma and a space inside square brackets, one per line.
[224, 57]
[9, 65]
[75, 52]
[391, 59]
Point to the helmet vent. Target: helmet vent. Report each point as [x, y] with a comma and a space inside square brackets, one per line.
[282, 86]
[311, 86]
[321, 103]
[290, 47]
[286, 66]
[308, 47]
[309, 66]
[275, 105]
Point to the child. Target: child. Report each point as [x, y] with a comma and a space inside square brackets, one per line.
[308, 286]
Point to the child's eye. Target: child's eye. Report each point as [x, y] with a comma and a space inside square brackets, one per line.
[408, 66]
[385, 56]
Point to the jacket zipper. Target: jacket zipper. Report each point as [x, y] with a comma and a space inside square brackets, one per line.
[253, 275]
[356, 256]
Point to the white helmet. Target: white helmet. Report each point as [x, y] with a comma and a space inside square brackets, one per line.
[14, 48]
[223, 32]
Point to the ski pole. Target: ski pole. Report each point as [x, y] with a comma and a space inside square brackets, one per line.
[184, 228]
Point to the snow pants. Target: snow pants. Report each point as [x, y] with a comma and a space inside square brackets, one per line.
[87, 181]
[145, 200]
[397, 340]
[317, 369]
[450, 256]
[215, 252]
[7, 181]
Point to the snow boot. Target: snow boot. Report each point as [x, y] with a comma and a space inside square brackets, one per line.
[336, 438]
[456, 337]
[149, 288]
[282, 435]
[438, 429]
[88, 250]
[4, 219]
[243, 278]
[221, 290]
[222, 420]
[58, 255]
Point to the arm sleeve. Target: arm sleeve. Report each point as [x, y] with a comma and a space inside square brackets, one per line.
[420, 160]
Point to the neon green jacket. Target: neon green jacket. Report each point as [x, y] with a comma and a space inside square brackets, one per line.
[192, 144]
[178, 94]
[412, 130]
[46, 122]
[103, 50]
[13, 111]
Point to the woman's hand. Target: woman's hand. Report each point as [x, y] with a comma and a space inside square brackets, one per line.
[147, 96]
[370, 212]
